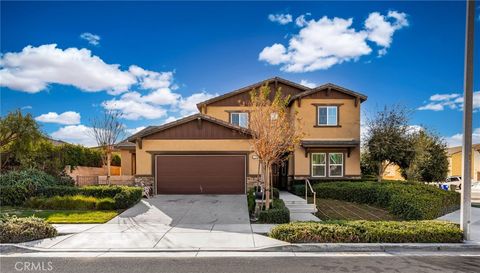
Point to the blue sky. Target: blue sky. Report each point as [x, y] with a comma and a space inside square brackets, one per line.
[153, 60]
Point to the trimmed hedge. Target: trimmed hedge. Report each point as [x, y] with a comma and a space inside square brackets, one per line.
[18, 186]
[17, 230]
[406, 200]
[277, 214]
[123, 196]
[369, 232]
[76, 202]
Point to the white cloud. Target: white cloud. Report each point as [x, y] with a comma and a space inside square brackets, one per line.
[308, 83]
[301, 21]
[91, 38]
[132, 131]
[456, 140]
[380, 28]
[162, 96]
[133, 106]
[170, 119]
[188, 105]
[282, 19]
[67, 118]
[32, 69]
[439, 102]
[78, 134]
[323, 43]
[26, 107]
[151, 79]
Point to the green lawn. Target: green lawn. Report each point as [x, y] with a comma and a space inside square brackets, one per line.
[63, 216]
[330, 209]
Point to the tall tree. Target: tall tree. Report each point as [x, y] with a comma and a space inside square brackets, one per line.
[429, 161]
[386, 138]
[18, 134]
[275, 131]
[107, 130]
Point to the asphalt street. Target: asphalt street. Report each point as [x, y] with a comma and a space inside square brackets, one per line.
[414, 264]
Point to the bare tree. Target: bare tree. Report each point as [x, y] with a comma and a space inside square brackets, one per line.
[107, 130]
[274, 132]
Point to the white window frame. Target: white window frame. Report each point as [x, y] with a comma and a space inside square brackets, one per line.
[327, 107]
[315, 164]
[239, 114]
[330, 164]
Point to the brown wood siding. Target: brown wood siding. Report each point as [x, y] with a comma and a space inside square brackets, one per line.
[200, 174]
[198, 130]
[244, 98]
[324, 95]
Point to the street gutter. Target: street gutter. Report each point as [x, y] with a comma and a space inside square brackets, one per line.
[328, 247]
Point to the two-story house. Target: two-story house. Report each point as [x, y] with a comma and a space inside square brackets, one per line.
[210, 152]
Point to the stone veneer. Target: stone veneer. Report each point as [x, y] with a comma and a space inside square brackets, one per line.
[146, 180]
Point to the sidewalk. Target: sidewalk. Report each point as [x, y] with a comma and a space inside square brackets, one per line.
[474, 226]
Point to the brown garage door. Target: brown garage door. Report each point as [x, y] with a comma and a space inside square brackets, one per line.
[197, 174]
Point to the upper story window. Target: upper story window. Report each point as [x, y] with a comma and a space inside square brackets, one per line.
[327, 115]
[239, 119]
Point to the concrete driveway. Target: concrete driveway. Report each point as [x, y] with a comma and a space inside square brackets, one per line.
[194, 222]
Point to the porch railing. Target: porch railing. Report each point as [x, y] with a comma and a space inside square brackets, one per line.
[308, 186]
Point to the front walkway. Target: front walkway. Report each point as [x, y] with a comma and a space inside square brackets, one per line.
[170, 222]
[298, 207]
[475, 222]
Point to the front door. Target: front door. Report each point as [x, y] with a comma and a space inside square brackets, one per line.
[280, 175]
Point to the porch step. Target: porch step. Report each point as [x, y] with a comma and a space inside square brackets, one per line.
[302, 209]
[299, 209]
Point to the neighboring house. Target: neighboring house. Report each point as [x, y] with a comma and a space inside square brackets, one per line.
[393, 172]
[455, 161]
[210, 152]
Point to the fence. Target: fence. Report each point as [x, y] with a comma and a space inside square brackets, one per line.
[86, 180]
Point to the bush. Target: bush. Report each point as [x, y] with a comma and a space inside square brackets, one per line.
[123, 196]
[105, 204]
[76, 202]
[18, 186]
[13, 195]
[368, 232]
[128, 197]
[406, 200]
[17, 230]
[277, 214]
[251, 201]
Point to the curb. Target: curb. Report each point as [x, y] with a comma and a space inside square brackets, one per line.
[374, 247]
[330, 247]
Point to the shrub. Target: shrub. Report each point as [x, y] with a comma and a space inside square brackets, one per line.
[17, 230]
[368, 232]
[30, 178]
[124, 196]
[18, 186]
[13, 195]
[128, 197]
[105, 204]
[277, 214]
[75, 202]
[251, 201]
[407, 200]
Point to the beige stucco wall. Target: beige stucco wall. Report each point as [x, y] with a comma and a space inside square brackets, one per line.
[351, 164]
[349, 119]
[126, 157]
[222, 112]
[144, 163]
